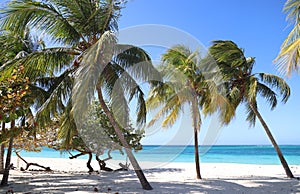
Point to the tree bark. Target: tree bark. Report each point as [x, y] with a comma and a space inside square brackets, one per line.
[275, 145]
[77, 155]
[88, 164]
[102, 165]
[197, 160]
[196, 145]
[144, 182]
[8, 157]
[2, 150]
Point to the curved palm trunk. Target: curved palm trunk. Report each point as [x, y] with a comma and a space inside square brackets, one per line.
[8, 158]
[196, 113]
[145, 184]
[279, 153]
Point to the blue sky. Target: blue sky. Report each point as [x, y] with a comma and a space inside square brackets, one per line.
[257, 26]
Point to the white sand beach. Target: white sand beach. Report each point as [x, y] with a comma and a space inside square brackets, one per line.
[70, 176]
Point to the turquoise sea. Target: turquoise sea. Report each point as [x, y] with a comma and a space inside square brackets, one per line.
[252, 154]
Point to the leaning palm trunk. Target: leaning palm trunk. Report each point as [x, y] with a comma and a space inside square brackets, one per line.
[279, 153]
[145, 184]
[8, 158]
[196, 145]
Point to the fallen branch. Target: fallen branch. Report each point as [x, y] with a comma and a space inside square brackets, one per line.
[88, 164]
[77, 155]
[102, 164]
[28, 164]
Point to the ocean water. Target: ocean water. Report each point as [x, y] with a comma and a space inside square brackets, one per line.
[244, 154]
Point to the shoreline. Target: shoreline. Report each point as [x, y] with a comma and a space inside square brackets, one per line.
[71, 176]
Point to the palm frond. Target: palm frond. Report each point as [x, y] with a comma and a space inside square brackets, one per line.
[136, 62]
[171, 117]
[291, 8]
[38, 94]
[67, 129]
[91, 18]
[227, 52]
[251, 116]
[42, 63]
[252, 89]
[278, 83]
[44, 16]
[87, 75]
[268, 94]
[59, 92]
[288, 60]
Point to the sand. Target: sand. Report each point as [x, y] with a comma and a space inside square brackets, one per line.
[70, 176]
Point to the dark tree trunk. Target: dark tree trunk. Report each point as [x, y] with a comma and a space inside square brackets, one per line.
[88, 164]
[279, 153]
[102, 164]
[8, 157]
[197, 160]
[196, 144]
[2, 150]
[144, 182]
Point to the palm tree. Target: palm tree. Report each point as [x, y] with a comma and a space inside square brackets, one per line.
[80, 31]
[288, 59]
[244, 86]
[186, 83]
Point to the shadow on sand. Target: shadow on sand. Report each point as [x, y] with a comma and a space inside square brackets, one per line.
[127, 182]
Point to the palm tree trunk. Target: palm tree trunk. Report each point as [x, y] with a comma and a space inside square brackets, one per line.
[2, 150]
[8, 157]
[144, 182]
[279, 153]
[197, 160]
[196, 145]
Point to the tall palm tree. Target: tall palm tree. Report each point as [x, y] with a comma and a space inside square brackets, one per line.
[244, 86]
[186, 82]
[288, 59]
[81, 31]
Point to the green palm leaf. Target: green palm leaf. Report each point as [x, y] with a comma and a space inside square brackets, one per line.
[288, 57]
[44, 16]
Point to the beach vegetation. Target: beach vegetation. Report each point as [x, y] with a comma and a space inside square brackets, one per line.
[14, 103]
[101, 142]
